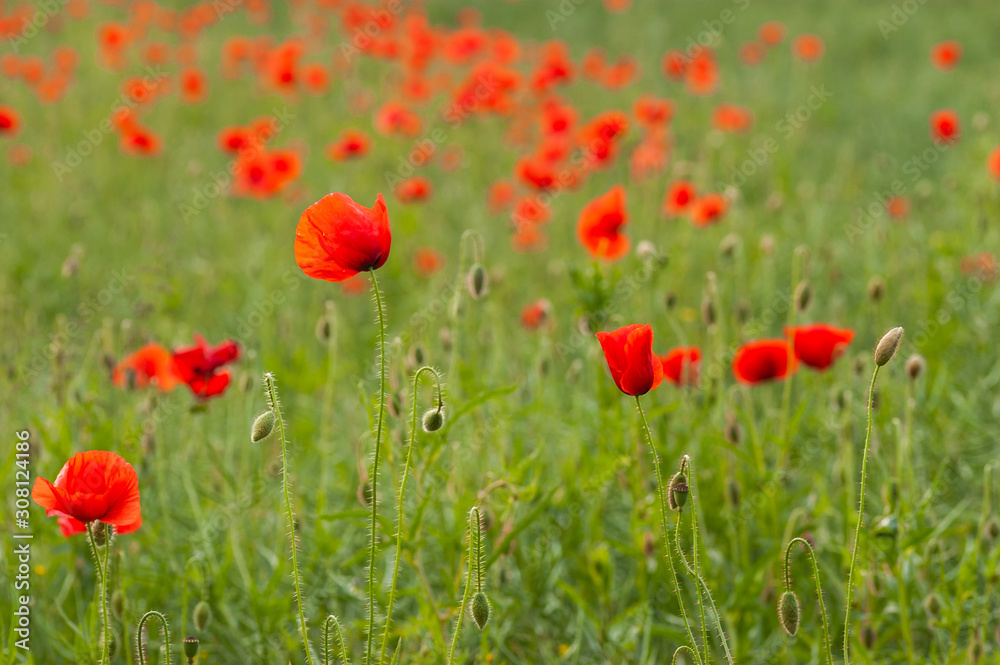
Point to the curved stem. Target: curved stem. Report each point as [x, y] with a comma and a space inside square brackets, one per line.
[827, 646]
[332, 619]
[102, 573]
[153, 614]
[474, 513]
[686, 467]
[272, 396]
[660, 489]
[402, 492]
[374, 478]
[683, 647]
[861, 517]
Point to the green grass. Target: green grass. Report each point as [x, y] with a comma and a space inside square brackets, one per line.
[537, 434]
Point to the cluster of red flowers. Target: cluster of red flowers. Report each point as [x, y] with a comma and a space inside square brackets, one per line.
[199, 366]
[258, 171]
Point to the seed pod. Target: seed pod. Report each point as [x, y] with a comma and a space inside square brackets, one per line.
[202, 616]
[788, 612]
[876, 289]
[434, 419]
[263, 425]
[480, 609]
[677, 490]
[887, 346]
[477, 281]
[190, 648]
[915, 366]
[803, 296]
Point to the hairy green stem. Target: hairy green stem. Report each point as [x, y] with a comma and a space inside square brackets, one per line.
[686, 468]
[861, 517]
[474, 525]
[402, 492]
[333, 622]
[374, 478]
[102, 574]
[272, 396]
[153, 614]
[827, 646]
[660, 489]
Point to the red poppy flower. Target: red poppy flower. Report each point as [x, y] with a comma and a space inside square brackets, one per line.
[529, 238]
[70, 526]
[621, 74]
[629, 352]
[752, 53]
[946, 55]
[199, 366]
[414, 190]
[649, 158]
[353, 143]
[150, 365]
[732, 118]
[945, 127]
[427, 261]
[600, 223]
[141, 142]
[681, 365]
[819, 345]
[531, 210]
[234, 139]
[501, 197]
[679, 197]
[194, 85]
[808, 48]
[593, 64]
[599, 137]
[897, 206]
[993, 163]
[536, 314]
[93, 486]
[10, 121]
[701, 77]
[771, 33]
[396, 119]
[674, 65]
[708, 209]
[315, 78]
[983, 265]
[652, 111]
[763, 360]
[555, 67]
[336, 238]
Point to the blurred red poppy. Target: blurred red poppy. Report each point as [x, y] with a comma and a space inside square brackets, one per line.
[945, 127]
[194, 85]
[629, 352]
[353, 143]
[150, 365]
[708, 209]
[897, 206]
[199, 366]
[10, 121]
[92, 486]
[732, 118]
[337, 238]
[414, 190]
[396, 119]
[674, 65]
[679, 197]
[945, 55]
[763, 360]
[427, 261]
[993, 163]
[501, 197]
[536, 314]
[771, 33]
[819, 345]
[681, 365]
[808, 48]
[652, 111]
[752, 53]
[599, 227]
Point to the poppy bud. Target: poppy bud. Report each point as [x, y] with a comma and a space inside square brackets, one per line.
[677, 490]
[670, 300]
[480, 609]
[742, 310]
[991, 530]
[728, 245]
[323, 329]
[868, 636]
[932, 605]
[476, 281]
[976, 649]
[263, 425]
[788, 612]
[915, 366]
[118, 604]
[190, 648]
[803, 296]
[767, 244]
[202, 616]
[395, 404]
[100, 534]
[446, 339]
[876, 289]
[646, 251]
[887, 346]
[733, 433]
[733, 492]
[434, 419]
[708, 312]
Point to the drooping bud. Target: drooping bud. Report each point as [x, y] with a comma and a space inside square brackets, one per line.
[476, 281]
[202, 616]
[677, 491]
[788, 612]
[803, 296]
[433, 419]
[915, 366]
[991, 530]
[263, 425]
[190, 648]
[648, 544]
[887, 346]
[480, 609]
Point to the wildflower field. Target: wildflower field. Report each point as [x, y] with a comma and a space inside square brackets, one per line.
[511, 332]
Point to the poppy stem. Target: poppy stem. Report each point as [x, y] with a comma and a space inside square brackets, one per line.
[153, 614]
[402, 492]
[861, 517]
[374, 478]
[272, 396]
[102, 574]
[475, 531]
[660, 488]
[827, 646]
[333, 621]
